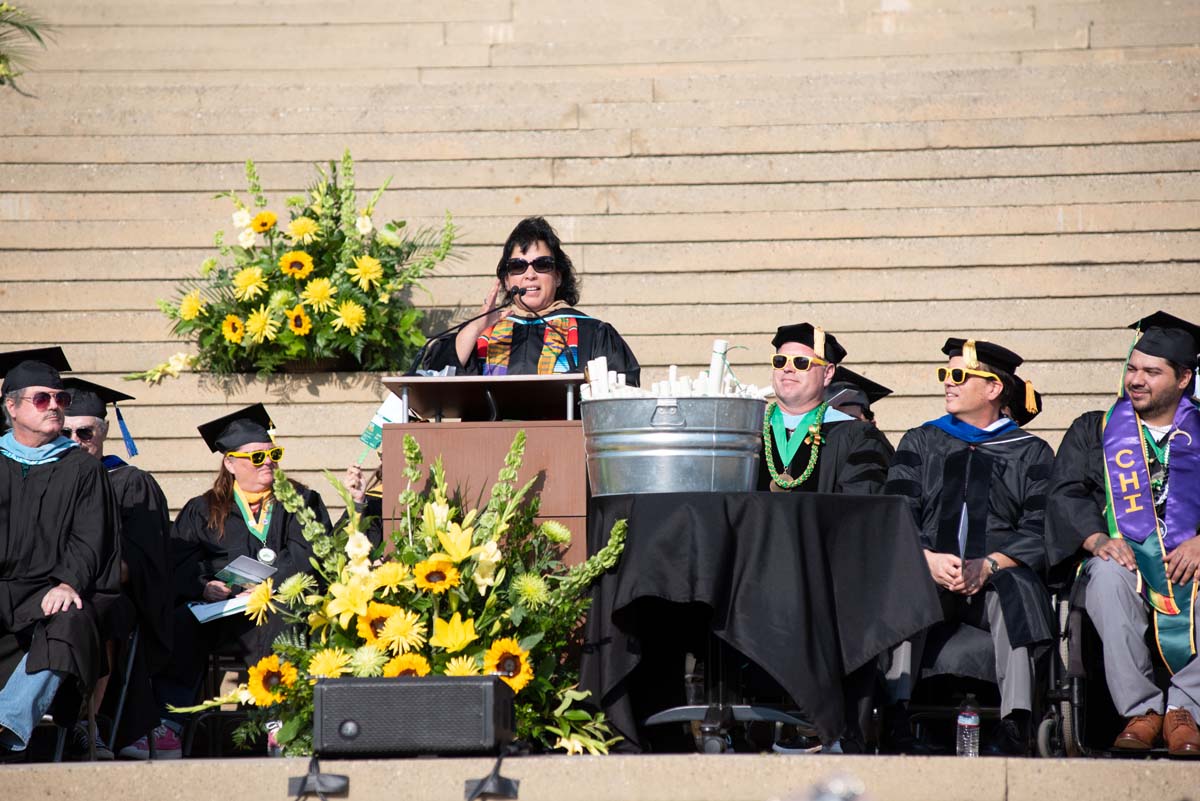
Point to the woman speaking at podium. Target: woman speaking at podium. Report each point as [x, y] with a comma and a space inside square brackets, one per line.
[533, 327]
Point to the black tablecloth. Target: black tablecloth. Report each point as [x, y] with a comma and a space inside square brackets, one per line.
[807, 586]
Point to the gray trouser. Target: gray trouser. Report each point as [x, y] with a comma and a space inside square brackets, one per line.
[1122, 617]
[1014, 667]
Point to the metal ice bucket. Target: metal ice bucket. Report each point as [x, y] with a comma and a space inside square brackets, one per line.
[640, 445]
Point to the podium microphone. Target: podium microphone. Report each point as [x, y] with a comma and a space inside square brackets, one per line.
[509, 297]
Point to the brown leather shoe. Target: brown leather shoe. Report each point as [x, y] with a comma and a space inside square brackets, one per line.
[1141, 732]
[1181, 734]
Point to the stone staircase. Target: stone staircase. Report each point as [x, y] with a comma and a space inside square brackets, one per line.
[896, 170]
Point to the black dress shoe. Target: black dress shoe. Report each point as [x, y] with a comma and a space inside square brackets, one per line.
[1011, 737]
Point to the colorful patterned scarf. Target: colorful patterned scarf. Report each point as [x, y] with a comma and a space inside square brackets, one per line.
[560, 342]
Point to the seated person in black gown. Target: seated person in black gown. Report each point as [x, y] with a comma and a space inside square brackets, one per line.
[237, 517]
[145, 598]
[541, 333]
[851, 393]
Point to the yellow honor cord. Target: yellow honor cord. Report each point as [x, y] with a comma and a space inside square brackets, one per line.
[1030, 398]
[968, 354]
[819, 341]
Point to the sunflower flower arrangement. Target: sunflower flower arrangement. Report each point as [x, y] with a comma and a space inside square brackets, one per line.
[450, 592]
[327, 284]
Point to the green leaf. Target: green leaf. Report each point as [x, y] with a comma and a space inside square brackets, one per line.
[516, 616]
[290, 729]
[530, 642]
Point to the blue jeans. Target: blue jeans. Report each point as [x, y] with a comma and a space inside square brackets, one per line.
[23, 701]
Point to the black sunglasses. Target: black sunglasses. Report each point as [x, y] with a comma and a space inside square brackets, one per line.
[84, 434]
[41, 400]
[542, 264]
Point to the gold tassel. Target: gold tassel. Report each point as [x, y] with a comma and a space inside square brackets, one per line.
[969, 355]
[819, 341]
[1030, 398]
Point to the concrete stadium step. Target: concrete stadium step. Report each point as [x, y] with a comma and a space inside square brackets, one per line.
[737, 282]
[270, 12]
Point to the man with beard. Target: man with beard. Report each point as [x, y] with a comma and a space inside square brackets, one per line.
[1126, 490]
[145, 600]
[976, 485]
[58, 550]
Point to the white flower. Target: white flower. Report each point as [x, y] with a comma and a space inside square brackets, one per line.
[390, 238]
[241, 218]
[358, 547]
[485, 569]
[359, 567]
[570, 744]
[177, 363]
[363, 224]
[247, 238]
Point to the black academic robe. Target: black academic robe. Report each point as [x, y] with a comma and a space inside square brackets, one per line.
[1075, 499]
[1003, 483]
[596, 339]
[853, 459]
[58, 524]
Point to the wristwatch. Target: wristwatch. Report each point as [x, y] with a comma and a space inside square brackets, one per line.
[993, 564]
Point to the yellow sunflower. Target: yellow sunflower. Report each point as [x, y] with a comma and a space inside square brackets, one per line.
[298, 321]
[462, 666]
[318, 294]
[266, 679]
[329, 663]
[249, 283]
[261, 602]
[407, 665]
[191, 305]
[403, 632]
[262, 325]
[388, 576]
[263, 221]
[507, 658]
[370, 624]
[303, 230]
[367, 271]
[233, 329]
[437, 577]
[351, 317]
[296, 263]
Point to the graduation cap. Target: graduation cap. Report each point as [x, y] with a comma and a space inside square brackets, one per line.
[848, 387]
[228, 433]
[1168, 337]
[91, 400]
[1006, 361]
[35, 367]
[823, 344]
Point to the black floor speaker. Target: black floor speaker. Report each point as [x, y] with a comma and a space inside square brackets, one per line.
[411, 715]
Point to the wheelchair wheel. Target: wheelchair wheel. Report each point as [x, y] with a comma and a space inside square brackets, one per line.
[1047, 745]
[1069, 743]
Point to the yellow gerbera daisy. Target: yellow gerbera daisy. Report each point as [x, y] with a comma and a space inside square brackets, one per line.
[303, 230]
[436, 576]
[370, 624]
[462, 666]
[510, 661]
[261, 602]
[453, 634]
[350, 316]
[329, 663]
[298, 321]
[296, 263]
[249, 283]
[263, 221]
[318, 293]
[407, 665]
[367, 271]
[388, 576]
[266, 679]
[233, 329]
[403, 632]
[191, 305]
[262, 325]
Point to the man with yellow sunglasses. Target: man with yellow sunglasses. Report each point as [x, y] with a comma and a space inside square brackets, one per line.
[976, 484]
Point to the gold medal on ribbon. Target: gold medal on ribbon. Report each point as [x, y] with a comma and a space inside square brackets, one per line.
[782, 478]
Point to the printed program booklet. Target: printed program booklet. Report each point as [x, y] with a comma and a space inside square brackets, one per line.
[245, 573]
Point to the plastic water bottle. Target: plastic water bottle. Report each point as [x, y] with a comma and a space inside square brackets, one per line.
[968, 728]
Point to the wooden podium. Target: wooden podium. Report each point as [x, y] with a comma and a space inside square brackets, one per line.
[473, 449]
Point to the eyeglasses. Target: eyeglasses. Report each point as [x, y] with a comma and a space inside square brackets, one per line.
[801, 363]
[258, 457]
[41, 400]
[959, 374]
[542, 264]
[84, 434]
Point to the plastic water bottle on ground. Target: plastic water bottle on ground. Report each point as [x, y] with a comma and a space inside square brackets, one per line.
[968, 728]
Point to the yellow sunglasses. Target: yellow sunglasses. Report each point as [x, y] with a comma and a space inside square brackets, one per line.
[802, 363]
[258, 457]
[958, 375]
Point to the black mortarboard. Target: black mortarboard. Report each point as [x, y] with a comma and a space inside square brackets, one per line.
[37, 367]
[1022, 409]
[807, 334]
[1168, 337]
[91, 400]
[228, 433]
[848, 386]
